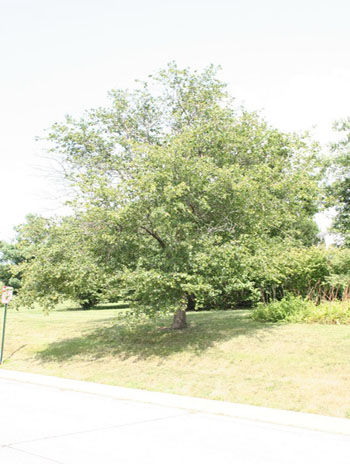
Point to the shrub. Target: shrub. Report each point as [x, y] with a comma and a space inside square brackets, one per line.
[281, 269]
[283, 310]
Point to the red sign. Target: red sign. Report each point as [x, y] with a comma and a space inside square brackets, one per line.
[6, 294]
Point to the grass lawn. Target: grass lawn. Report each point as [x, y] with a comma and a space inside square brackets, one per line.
[222, 355]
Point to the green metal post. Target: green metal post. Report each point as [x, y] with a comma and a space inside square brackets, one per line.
[3, 334]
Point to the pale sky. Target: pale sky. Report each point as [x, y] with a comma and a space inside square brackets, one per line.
[289, 59]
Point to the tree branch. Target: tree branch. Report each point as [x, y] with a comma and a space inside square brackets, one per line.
[155, 235]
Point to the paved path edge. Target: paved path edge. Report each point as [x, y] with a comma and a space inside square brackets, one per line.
[240, 411]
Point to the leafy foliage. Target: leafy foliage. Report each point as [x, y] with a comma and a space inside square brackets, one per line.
[277, 311]
[340, 177]
[177, 191]
[58, 264]
[10, 255]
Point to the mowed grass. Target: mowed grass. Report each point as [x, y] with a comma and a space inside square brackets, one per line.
[223, 355]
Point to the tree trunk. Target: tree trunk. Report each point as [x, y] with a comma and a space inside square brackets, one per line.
[179, 321]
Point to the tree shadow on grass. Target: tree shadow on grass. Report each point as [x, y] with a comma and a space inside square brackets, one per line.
[155, 340]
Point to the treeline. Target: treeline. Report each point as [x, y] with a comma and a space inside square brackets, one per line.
[63, 269]
[184, 201]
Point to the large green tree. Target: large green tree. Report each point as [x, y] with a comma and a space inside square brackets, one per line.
[181, 187]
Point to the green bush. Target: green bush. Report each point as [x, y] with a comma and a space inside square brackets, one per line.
[314, 272]
[280, 269]
[283, 310]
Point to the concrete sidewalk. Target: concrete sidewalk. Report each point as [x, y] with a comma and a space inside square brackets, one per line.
[46, 419]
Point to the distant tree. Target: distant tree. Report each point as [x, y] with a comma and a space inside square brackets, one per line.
[340, 175]
[10, 255]
[58, 263]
